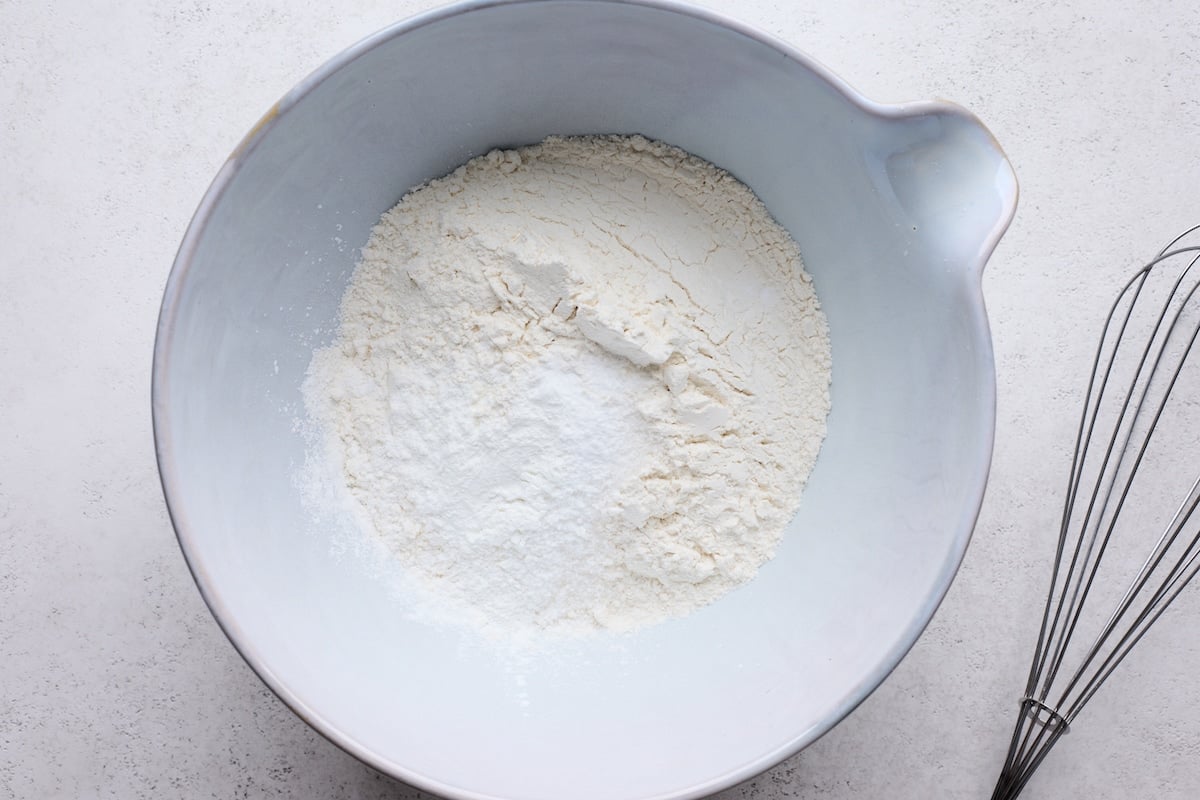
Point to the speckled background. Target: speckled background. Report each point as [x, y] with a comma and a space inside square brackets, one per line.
[115, 681]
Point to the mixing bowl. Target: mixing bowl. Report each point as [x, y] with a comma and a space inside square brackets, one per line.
[895, 208]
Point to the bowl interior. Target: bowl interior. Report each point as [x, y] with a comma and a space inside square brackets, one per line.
[686, 707]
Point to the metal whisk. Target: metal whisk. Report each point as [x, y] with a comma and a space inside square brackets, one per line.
[1127, 499]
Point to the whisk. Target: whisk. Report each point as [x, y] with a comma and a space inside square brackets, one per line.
[1127, 499]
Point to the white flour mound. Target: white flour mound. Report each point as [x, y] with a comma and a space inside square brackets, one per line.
[578, 385]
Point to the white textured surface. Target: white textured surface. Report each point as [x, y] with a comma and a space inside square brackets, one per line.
[114, 680]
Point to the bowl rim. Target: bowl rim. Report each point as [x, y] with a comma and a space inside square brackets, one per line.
[181, 266]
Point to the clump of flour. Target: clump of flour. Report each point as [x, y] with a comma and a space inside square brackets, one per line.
[578, 385]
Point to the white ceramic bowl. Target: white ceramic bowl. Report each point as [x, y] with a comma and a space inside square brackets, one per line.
[896, 209]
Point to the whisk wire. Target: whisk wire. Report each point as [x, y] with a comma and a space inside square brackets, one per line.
[1041, 652]
[1107, 471]
[1074, 581]
[1146, 384]
[1175, 582]
[1164, 542]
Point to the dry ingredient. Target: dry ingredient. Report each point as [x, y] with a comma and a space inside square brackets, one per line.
[578, 385]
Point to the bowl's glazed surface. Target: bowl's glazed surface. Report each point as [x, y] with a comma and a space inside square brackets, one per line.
[896, 209]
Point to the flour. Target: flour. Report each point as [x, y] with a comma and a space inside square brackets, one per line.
[578, 385]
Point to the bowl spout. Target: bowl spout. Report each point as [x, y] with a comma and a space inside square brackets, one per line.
[950, 180]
